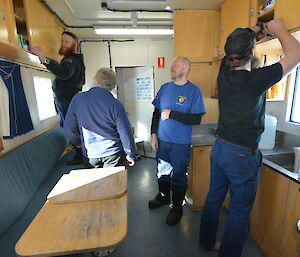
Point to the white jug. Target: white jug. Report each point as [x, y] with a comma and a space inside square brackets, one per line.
[297, 160]
[267, 140]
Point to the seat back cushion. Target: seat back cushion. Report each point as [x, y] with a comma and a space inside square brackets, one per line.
[23, 170]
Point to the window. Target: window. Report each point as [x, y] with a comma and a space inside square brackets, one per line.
[44, 97]
[295, 113]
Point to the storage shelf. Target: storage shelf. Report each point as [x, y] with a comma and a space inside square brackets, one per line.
[12, 52]
[266, 16]
[19, 19]
[273, 43]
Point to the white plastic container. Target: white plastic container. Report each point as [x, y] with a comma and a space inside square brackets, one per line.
[267, 140]
[297, 161]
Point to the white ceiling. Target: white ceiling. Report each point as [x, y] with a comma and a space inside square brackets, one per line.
[84, 14]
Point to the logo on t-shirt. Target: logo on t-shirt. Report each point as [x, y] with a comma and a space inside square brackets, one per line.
[181, 99]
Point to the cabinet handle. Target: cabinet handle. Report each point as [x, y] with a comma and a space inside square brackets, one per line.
[252, 12]
[222, 29]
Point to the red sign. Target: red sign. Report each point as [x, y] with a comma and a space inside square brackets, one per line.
[161, 62]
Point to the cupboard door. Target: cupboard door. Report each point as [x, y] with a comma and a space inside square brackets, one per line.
[3, 28]
[201, 75]
[199, 177]
[7, 22]
[268, 213]
[289, 12]
[193, 34]
[44, 29]
[234, 14]
[290, 244]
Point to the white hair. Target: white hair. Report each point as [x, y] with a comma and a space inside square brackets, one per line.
[105, 77]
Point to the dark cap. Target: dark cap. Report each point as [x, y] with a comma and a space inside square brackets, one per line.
[71, 35]
[240, 43]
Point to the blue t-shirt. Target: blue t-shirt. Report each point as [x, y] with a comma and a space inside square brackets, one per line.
[186, 99]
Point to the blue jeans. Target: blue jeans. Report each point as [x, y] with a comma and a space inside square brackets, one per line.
[178, 156]
[234, 168]
[62, 108]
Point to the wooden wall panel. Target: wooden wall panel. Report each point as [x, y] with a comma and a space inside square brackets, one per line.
[44, 30]
[212, 110]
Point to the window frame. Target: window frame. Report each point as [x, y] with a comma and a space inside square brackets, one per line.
[295, 91]
[54, 113]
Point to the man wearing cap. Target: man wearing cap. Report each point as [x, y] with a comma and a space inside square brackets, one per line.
[70, 77]
[235, 159]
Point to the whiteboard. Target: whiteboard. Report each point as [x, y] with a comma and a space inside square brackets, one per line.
[136, 92]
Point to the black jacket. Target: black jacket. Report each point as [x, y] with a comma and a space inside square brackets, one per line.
[70, 76]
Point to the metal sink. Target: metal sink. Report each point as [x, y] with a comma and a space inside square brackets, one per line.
[284, 160]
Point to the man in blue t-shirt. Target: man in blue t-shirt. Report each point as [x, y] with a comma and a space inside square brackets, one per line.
[178, 106]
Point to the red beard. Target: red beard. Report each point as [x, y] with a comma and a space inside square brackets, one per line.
[67, 51]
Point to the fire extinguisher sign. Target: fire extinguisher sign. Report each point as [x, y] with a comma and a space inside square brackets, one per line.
[161, 62]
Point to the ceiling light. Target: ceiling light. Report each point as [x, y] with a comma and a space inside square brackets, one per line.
[168, 8]
[132, 31]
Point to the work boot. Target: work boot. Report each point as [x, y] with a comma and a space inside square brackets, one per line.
[176, 211]
[162, 198]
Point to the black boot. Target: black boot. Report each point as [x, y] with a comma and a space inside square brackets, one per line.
[176, 211]
[162, 198]
[78, 158]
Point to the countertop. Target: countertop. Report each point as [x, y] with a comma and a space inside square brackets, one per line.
[204, 135]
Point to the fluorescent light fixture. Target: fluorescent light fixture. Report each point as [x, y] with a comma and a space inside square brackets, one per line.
[132, 31]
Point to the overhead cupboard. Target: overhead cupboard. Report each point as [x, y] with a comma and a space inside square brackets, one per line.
[194, 38]
[200, 35]
[247, 13]
[27, 23]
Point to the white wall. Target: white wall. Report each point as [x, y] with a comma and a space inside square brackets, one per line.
[140, 52]
[39, 126]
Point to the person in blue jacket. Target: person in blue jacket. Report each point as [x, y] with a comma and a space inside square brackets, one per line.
[178, 106]
[97, 122]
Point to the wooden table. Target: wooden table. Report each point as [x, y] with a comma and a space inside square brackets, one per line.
[75, 227]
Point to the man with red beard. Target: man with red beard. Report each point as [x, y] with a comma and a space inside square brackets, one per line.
[70, 76]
